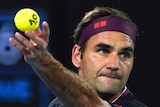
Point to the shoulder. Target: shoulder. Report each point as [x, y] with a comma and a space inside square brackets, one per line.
[55, 103]
[128, 100]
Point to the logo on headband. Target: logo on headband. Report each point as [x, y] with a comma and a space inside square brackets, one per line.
[100, 24]
[107, 23]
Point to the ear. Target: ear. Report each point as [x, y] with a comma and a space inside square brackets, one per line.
[76, 56]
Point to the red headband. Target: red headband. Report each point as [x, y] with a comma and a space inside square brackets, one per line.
[107, 23]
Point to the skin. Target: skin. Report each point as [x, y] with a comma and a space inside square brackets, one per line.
[74, 91]
[107, 61]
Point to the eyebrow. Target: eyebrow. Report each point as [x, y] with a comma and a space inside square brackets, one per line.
[127, 49]
[103, 45]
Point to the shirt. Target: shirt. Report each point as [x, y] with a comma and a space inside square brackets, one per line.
[125, 99]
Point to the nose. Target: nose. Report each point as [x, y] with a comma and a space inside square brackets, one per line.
[112, 62]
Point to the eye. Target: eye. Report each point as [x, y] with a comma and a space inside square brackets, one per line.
[103, 51]
[125, 54]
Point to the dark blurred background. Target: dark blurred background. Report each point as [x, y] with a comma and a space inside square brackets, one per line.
[20, 86]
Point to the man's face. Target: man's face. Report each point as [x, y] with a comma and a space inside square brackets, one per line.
[107, 61]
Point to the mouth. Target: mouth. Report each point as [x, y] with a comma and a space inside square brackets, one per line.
[113, 75]
[109, 76]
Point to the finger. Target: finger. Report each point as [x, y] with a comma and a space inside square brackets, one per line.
[34, 40]
[19, 46]
[29, 47]
[26, 43]
[37, 31]
[46, 31]
[44, 36]
[36, 46]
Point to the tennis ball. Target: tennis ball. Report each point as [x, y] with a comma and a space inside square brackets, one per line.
[26, 19]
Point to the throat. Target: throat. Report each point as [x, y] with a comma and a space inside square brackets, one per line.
[105, 96]
[108, 96]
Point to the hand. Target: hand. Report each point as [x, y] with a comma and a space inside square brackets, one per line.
[34, 47]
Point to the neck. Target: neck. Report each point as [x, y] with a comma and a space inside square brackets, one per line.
[111, 97]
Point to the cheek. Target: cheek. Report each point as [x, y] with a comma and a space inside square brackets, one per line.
[127, 73]
[127, 66]
[90, 66]
[87, 69]
[129, 70]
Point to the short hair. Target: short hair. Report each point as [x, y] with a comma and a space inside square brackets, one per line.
[96, 13]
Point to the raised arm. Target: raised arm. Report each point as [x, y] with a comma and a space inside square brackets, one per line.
[72, 90]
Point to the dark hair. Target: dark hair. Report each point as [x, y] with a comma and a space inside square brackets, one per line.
[96, 13]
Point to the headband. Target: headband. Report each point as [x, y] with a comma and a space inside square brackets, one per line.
[107, 23]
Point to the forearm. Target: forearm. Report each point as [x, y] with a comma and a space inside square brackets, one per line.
[65, 84]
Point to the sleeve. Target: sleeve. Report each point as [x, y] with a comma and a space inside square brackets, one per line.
[55, 103]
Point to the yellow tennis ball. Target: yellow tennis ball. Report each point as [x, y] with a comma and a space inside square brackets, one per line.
[26, 19]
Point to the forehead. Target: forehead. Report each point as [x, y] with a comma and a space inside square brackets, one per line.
[111, 38]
